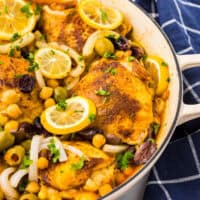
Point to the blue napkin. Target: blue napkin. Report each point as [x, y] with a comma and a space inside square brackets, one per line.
[176, 176]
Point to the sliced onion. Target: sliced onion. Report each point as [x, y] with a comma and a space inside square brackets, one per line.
[40, 79]
[80, 68]
[21, 42]
[8, 190]
[71, 82]
[114, 148]
[34, 151]
[88, 48]
[54, 12]
[17, 176]
[74, 150]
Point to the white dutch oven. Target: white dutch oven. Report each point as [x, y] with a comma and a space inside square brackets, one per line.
[155, 42]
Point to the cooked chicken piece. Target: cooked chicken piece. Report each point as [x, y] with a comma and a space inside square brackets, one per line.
[124, 108]
[28, 103]
[65, 176]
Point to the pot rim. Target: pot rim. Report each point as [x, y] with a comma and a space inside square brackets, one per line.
[174, 123]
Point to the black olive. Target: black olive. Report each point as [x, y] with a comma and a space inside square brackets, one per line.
[144, 153]
[25, 53]
[37, 123]
[26, 83]
[27, 127]
[88, 134]
[120, 43]
[113, 139]
[137, 52]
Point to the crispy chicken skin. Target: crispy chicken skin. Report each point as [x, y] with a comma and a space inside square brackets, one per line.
[62, 176]
[29, 103]
[127, 111]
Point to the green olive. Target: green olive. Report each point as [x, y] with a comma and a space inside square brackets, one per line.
[103, 45]
[28, 197]
[26, 144]
[14, 155]
[60, 93]
[6, 140]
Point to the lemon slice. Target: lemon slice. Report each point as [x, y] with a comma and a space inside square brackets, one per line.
[78, 114]
[158, 68]
[99, 16]
[16, 16]
[53, 63]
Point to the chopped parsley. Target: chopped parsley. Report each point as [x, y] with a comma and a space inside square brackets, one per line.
[18, 75]
[104, 15]
[26, 162]
[123, 159]
[109, 55]
[113, 37]
[33, 67]
[92, 117]
[31, 57]
[164, 64]
[78, 111]
[38, 10]
[62, 105]
[155, 127]
[1, 128]
[42, 37]
[168, 79]
[151, 140]
[80, 58]
[1, 62]
[54, 151]
[102, 92]
[144, 57]
[15, 37]
[66, 51]
[79, 165]
[53, 52]
[12, 50]
[22, 186]
[6, 9]
[111, 70]
[131, 58]
[26, 9]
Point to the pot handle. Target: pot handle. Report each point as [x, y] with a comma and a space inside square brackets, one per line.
[189, 112]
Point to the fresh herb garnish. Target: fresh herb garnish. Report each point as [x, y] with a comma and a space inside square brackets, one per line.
[62, 105]
[110, 55]
[79, 165]
[1, 128]
[26, 9]
[144, 57]
[104, 15]
[102, 92]
[131, 58]
[33, 67]
[164, 64]
[113, 37]
[26, 162]
[31, 57]
[111, 70]
[66, 51]
[123, 159]
[52, 52]
[155, 127]
[42, 37]
[151, 140]
[168, 79]
[80, 58]
[92, 117]
[15, 37]
[54, 151]
[38, 10]
[18, 75]
[78, 111]
[1, 62]
[22, 186]
[6, 9]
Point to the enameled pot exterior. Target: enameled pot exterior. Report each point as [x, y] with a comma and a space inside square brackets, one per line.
[147, 32]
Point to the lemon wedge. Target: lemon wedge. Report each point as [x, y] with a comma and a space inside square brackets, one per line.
[99, 16]
[159, 70]
[79, 112]
[16, 16]
[53, 63]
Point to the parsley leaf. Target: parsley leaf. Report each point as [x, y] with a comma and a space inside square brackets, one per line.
[15, 37]
[80, 58]
[62, 105]
[33, 67]
[102, 92]
[26, 9]
[6, 9]
[79, 165]
[26, 162]
[18, 75]
[164, 64]
[1, 62]
[151, 140]
[156, 127]
[54, 151]
[111, 70]
[131, 58]
[52, 52]
[22, 186]
[31, 57]
[92, 117]
[123, 159]
[110, 55]
[104, 15]
[38, 10]
[168, 79]
[1, 128]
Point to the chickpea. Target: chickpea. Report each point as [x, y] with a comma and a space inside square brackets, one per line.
[42, 163]
[43, 194]
[103, 45]
[49, 102]
[28, 197]
[10, 97]
[3, 119]
[98, 140]
[33, 187]
[13, 111]
[128, 171]
[52, 83]
[86, 196]
[46, 92]
[11, 126]
[105, 189]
